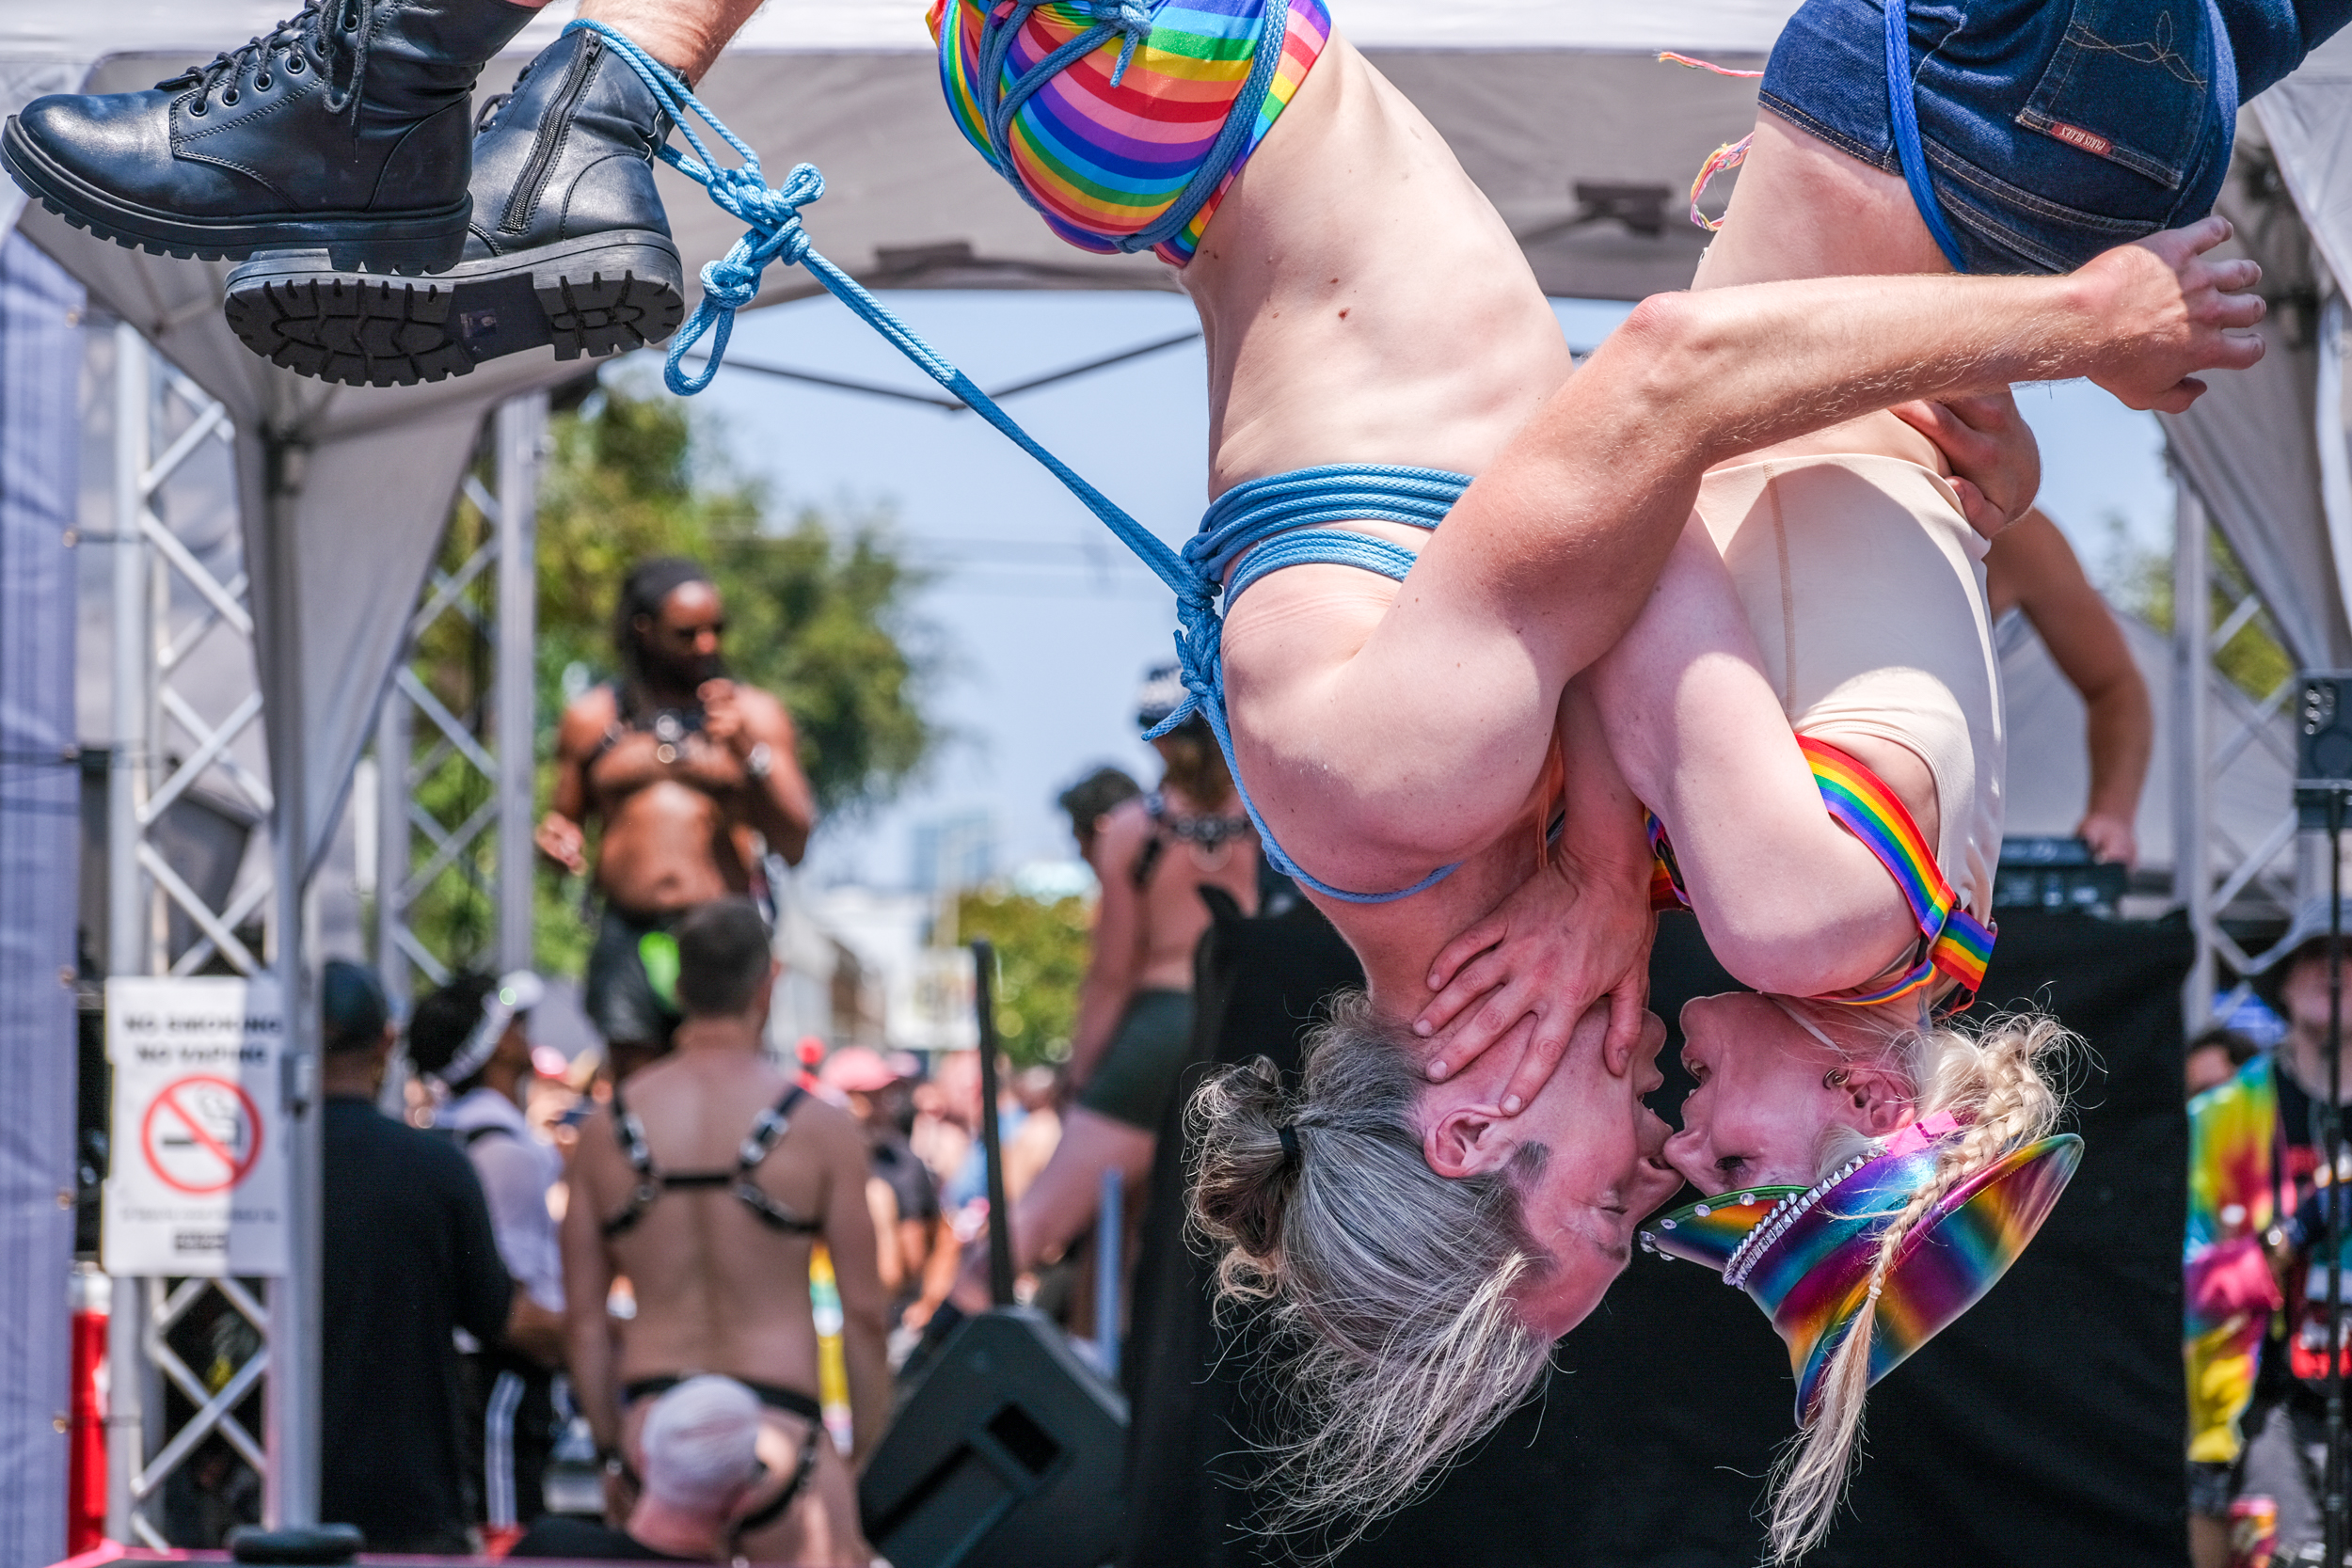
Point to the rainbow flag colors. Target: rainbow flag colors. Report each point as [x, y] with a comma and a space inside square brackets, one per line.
[1118, 149]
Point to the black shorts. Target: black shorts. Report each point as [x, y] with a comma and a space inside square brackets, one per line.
[621, 999]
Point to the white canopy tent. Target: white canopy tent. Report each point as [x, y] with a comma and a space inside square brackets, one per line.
[1585, 143]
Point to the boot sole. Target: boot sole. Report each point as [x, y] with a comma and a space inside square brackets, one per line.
[424, 242]
[602, 294]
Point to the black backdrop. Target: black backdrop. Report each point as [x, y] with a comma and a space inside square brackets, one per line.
[2044, 1427]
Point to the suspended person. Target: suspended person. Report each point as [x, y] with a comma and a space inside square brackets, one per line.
[1154, 855]
[689, 773]
[1400, 740]
[472, 1037]
[707, 1181]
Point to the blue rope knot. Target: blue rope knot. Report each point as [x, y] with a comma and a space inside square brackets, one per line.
[1199, 655]
[773, 232]
[1130, 18]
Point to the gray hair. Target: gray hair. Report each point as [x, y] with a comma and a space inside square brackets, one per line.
[1390, 1287]
[700, 1445]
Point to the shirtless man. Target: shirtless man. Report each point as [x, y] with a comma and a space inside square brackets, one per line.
[707, 1187]
[1153, 853]
[689, 772]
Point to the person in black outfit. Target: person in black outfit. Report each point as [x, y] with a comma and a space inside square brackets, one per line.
[409, 1257]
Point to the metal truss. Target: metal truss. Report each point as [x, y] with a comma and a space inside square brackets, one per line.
[2218, 728]
[167, 605]
[454, 739]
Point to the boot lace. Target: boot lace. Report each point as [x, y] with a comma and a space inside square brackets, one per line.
[323, 35]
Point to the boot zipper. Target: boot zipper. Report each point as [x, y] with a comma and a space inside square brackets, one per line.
[549, 139]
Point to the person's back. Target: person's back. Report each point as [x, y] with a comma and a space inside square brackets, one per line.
[408, 1256]
[705, 1184]
[703, 1265]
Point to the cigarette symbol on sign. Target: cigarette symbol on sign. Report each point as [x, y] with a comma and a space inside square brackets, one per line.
[201, 1135]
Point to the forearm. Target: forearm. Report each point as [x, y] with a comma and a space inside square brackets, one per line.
[864, 1337]
[1605, 835]
[1727, 371]
[2121, 736]
[588, 1344]
[784, 812]
[535, 1332]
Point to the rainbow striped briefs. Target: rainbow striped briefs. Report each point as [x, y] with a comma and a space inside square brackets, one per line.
[1123, 143]
[1957, 943]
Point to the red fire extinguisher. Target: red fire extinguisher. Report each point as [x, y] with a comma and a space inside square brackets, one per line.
[85, 1481]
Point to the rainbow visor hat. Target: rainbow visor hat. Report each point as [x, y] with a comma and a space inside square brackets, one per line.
[1805, 1254]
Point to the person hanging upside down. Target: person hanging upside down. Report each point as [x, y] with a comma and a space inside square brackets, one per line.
[1385, 736]
[1404, 747]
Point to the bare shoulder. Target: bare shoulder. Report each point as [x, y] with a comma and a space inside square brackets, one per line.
[586, 721]
[829, 1128]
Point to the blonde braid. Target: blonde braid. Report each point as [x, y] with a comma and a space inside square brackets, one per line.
[1993, 1085]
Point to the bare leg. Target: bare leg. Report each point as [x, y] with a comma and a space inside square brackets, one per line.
[1062, 1202]
[684, 35]
[1789, 901]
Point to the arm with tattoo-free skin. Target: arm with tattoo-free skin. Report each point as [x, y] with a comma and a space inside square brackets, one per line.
[864, 1311]
[562, 834]
[742, 720]
[1525, 969]
[2032, 568]
[1115, 953]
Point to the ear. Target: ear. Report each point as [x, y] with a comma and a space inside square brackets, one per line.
[1879, 1099]
[1468, 1140]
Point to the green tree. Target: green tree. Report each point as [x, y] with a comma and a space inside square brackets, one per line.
[1042, 946]
[2139, 580]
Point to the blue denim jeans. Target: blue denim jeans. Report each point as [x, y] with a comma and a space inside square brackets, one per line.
[2054, 128]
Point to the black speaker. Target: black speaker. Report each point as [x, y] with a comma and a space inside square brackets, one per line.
[2323, 741]
[1007, 1454]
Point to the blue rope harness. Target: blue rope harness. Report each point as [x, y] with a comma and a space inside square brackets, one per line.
[1903, 101]
[1131, 22]
[1259, 513]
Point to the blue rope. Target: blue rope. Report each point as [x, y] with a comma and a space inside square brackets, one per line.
[1901, 99]
[1245, 516]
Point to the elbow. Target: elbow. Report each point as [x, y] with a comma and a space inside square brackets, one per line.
[1662, 357]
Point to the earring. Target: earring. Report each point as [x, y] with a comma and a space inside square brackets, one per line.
[1833, 1078]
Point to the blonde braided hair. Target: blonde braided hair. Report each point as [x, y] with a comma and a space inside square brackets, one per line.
[1997, 1085]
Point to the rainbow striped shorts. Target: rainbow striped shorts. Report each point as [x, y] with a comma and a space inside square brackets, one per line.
[1124, 140]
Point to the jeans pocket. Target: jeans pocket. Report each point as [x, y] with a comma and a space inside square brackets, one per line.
[2130, 83]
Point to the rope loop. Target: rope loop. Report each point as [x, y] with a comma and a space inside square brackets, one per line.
[1130, 18]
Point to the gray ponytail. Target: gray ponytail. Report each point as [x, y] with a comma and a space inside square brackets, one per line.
[1390, 1287]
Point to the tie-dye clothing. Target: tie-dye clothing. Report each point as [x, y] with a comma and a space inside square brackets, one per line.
[2232, 1139]
[1130, 142]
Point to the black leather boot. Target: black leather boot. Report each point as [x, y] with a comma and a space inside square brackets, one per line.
[347, 127]
[568, 245]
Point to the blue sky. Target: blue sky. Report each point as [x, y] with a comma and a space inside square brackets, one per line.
[1039, 621]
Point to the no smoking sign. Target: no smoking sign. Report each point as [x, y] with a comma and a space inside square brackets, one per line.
[202, 1134]
[199, 1178]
